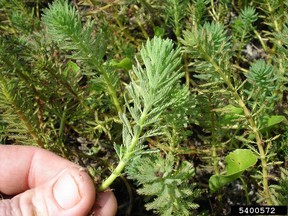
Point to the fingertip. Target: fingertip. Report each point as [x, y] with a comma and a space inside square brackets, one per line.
[74, 191]
[106, 204]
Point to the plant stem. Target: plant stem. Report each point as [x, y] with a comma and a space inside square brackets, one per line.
[129, 152]
[122, 163]
[213, 141]
[245, 189]
[213, 13]
[265, 48]
[187, 74]
[113, 93]
[62, 123]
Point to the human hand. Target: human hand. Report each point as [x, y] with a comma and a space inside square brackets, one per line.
[47, 185]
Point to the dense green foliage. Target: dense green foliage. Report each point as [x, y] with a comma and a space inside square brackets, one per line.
[166, 182]
[158, 92]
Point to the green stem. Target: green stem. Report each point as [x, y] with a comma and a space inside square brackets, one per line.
[213, 13]
[62, 123]
[187, 73]
[123, 162]
[125, 159]
[265, 48]
[214, 147]
[37, 9]
[112, 93]
[245, 189]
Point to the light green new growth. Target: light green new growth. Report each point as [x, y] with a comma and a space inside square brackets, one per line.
[149, 94]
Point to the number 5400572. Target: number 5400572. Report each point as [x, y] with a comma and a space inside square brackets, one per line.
[256, 210]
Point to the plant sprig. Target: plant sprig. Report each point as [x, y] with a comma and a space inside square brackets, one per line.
[65, 27]
[148, 95]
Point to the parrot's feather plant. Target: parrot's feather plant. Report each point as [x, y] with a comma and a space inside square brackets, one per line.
[65, 27]
[149, 94]
[180, 101]
[211, 40]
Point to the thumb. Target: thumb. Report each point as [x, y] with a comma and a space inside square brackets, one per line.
[71, 192]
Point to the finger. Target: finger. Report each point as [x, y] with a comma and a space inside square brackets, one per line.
[68, 193]
[37, 168]
[25, 167]
[106, 204]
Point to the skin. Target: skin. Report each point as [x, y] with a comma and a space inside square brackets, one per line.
[42, 183]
